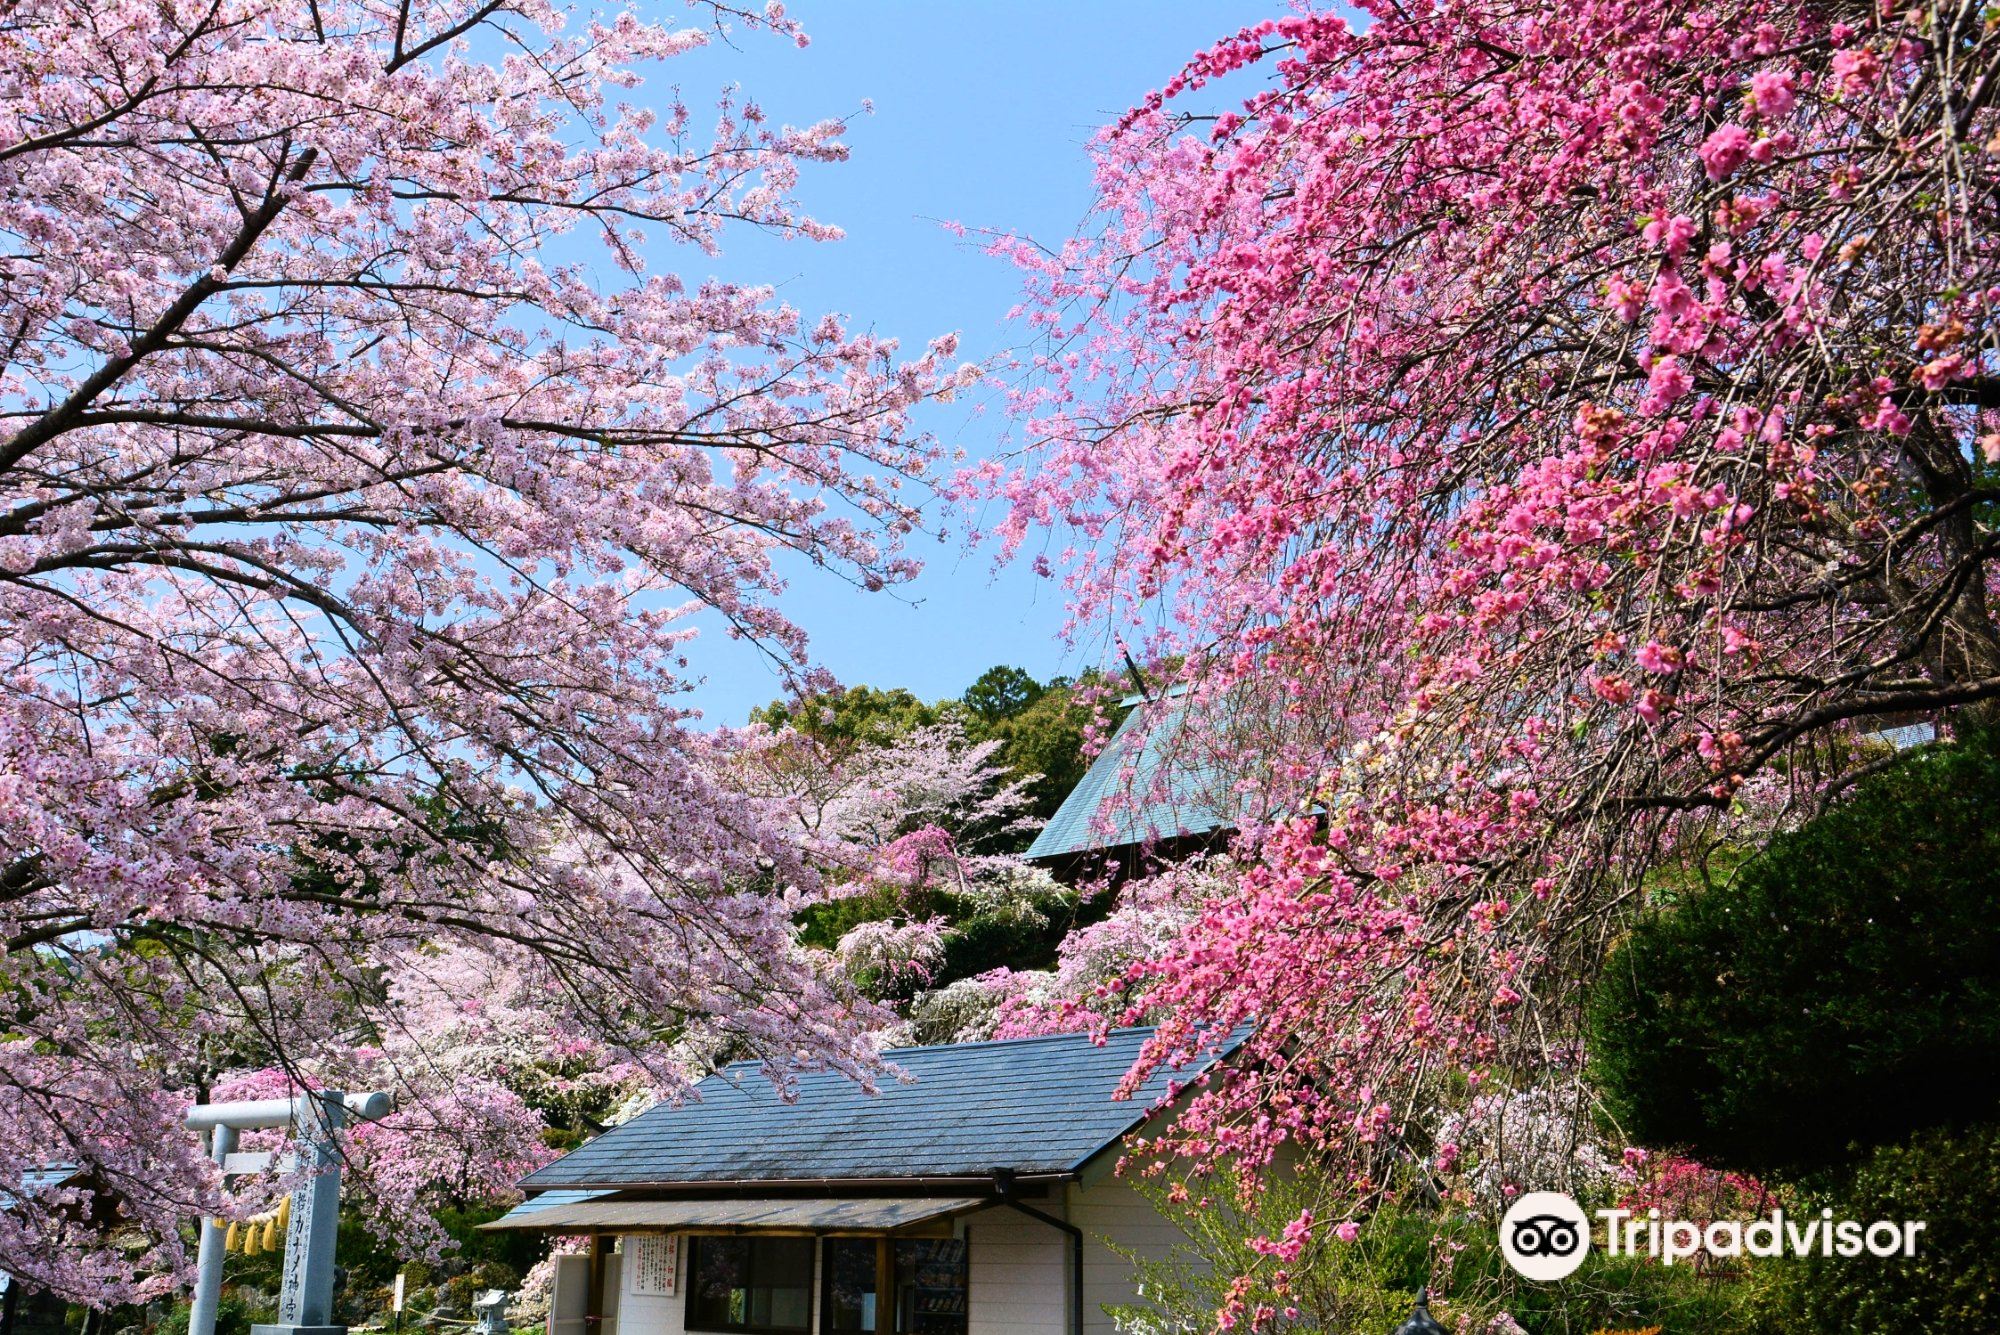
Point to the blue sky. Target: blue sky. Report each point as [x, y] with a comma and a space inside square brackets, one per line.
[981, 111]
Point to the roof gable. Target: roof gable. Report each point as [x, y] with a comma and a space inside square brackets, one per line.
[1138, 789]
[1036, 1106]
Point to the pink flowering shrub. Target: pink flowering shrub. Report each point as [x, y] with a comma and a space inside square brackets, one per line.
[1680, 1188]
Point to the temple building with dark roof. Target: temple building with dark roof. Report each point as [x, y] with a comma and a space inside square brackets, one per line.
[974, 1195]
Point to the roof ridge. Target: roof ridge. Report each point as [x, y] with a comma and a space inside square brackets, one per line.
[752, 1062]
[1118, 1032]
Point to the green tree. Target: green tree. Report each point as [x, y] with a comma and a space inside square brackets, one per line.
[1040, 725]
[1841, 990]
[1001, 693]
[1045, 738]
[1950, 1181]
[855, 716]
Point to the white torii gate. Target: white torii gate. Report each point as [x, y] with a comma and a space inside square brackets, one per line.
[305, 1295]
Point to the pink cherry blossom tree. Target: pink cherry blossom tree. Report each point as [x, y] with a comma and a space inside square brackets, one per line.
[1576, 413]
[362, 477]
[483, 1070]
[862, 796]
[902, 821]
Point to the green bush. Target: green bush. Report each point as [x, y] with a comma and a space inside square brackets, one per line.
[980, 935]
[1952, 1183]
[368, 1262]
[1369, 1284]
[231, 1318]
[1841, 990]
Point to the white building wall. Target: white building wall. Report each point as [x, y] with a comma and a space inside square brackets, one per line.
[1016, 1271]
[1109, 1211]
[1018, 1267]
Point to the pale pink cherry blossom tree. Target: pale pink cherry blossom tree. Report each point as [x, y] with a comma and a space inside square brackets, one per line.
[863, 796]
[482, 1070]
[902, 819]
[362, 473]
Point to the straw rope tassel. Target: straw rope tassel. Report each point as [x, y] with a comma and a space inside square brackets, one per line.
[273, 1222]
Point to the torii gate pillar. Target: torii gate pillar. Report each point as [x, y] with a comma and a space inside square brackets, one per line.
[305, 1295]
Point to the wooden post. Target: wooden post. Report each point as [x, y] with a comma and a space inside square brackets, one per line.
[885, 1286]
[593, 1307]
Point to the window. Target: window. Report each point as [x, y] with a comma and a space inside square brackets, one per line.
[930, 1282]
[759, 1285]
[929, 1278]
[850, 1285]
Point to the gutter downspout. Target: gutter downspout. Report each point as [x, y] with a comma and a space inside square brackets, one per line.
[1004, 1184]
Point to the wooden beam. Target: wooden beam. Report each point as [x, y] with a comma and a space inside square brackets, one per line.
[885, 1286]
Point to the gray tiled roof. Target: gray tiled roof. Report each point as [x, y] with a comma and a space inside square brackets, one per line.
[1035, 1105]
[1164, 796]
[35, 1181]
[1904, 737]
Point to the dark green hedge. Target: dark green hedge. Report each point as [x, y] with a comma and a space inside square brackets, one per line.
[1952, 1183]
[1842, 990]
